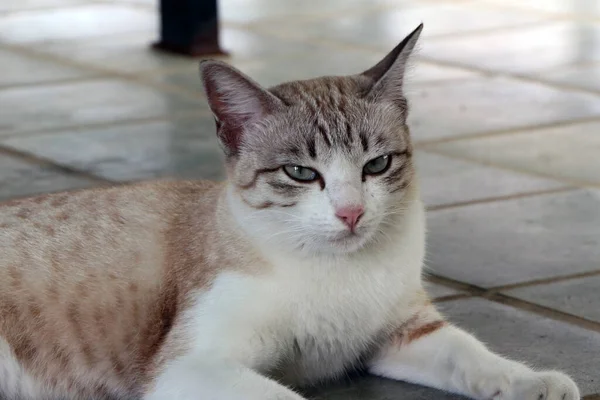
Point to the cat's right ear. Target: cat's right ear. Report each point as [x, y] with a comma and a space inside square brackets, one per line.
[236, 101]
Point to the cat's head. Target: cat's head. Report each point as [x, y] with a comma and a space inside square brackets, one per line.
[324, 164]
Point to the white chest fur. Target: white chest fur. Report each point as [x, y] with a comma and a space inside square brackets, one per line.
[309, 320]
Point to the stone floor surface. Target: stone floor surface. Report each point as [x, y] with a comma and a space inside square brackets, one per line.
[505, 116]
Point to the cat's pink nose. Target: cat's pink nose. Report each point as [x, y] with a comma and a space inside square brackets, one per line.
[350, 215]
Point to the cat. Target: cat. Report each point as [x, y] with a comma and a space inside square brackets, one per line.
[305, 264]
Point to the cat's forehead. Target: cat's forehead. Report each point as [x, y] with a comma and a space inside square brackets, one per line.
[330, 115]
[325, 94]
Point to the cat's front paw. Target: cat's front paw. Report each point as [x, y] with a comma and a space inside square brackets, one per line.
[547, 385]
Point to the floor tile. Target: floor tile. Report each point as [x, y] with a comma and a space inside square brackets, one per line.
[36, 108]
[75, 23]
[374, 388]
[462, 107]
[244, 11]
[386, 28]
[569, 152]
[19, 69]
[132, 52]
[160, 149]
[447, 181]
[583, 76]
[320, 61]
[535, 48]
[538, 341]
[501, 243]
[579, 297]
[19, 179]
[580, 8]
[23, 5]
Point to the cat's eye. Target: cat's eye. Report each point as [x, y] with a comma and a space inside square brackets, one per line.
[302, 174]
[377, 165]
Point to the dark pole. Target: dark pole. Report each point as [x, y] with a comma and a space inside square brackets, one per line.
[189, 27]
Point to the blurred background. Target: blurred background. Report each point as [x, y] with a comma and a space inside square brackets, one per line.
[505, 116]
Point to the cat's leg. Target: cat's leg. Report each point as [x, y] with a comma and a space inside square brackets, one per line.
[193, 378]
[429, 351]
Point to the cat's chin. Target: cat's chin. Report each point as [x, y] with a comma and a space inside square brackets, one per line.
[346, 242]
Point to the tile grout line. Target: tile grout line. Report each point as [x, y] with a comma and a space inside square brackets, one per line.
[59, 81]
[565, 181]
[424, 144]
[497, 199]
[545, 281]
[544, 311]
[591, 397]
[95, 69]
[547, 312]
[177, 117]
[45, 162]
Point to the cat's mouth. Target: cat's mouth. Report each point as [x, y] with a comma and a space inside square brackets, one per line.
[348, 239]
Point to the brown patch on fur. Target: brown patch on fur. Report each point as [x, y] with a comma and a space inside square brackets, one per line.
[132, 287]
[24, 213]
[15, 275]
[424, 321]
[50, 231]
[424, 330]
[62, 216]
[59, 200]
[257, 174]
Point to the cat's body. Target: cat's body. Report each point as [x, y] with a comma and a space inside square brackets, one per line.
[305, 265]
[108, 290]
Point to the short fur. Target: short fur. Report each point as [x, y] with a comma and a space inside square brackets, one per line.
[238, 290]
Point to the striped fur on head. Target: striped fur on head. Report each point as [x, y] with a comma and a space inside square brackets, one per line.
[333, 125]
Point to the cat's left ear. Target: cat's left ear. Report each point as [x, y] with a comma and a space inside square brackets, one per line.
[388, 74]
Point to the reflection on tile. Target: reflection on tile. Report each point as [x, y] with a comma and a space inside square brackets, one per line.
[132, 52]
[535, 48]
[128, 53]
[374, 388]
[96, 101]
[541, 342]
[75, 23]
[19, 179]
[583, 76]
[160, 149]
[244, 11]
[495, 244]
[482, 105]
[19, 69]
[319, 62]
[579, 297]
[386, 28]
[569, 152]
[12, 6]
[580, 8]
[447, 181]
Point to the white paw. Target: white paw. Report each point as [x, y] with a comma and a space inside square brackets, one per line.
[547, 385]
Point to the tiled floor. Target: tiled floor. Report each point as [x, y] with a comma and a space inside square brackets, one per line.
[506, 117]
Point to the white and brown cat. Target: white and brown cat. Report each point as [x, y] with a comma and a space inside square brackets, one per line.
[304, 265]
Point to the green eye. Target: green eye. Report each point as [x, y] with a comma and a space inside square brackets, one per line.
[301, 174]
[377, 165]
